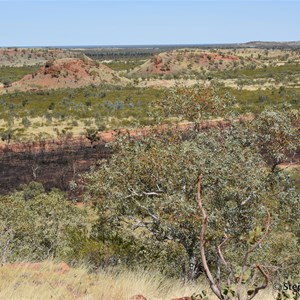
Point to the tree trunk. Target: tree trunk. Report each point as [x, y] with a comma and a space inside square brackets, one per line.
[194, 269]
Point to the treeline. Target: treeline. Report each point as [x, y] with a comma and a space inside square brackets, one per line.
[124, 53]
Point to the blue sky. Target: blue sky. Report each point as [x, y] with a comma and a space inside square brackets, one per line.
[137, 22]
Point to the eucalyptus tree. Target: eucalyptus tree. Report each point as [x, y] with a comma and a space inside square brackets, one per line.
[150, 184]
[148, 189]
[195, 104]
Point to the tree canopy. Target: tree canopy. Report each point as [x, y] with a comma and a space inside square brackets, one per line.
[148, 188]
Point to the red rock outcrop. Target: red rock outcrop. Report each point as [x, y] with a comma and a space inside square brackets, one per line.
[184, 61]
[67, 73]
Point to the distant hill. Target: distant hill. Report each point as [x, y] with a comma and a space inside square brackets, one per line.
[185, 61]
[68, 73]
[17, 57]
[263, 44]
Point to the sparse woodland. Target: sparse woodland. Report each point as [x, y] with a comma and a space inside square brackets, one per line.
[216, 201]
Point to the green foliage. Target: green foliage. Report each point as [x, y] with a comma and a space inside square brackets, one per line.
[285, 295]
[147, 213]
[149, 187]
[6, 82]
[117, 104]
[194, 104]
[51, 106]
[6, 135]
[124, 65]
[91, 134]
[251, 101]
[35, 224]
[26, 122]
[200, 296]
[268, 72]
[294, 174]
[11, 74]
[276, 135]
[102, 248]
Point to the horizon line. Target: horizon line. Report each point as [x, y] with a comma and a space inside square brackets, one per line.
[148, 45]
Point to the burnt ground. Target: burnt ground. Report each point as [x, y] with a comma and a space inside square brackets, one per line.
[55, 163]
[54, 167]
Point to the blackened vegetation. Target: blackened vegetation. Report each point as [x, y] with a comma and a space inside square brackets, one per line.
[52, 164]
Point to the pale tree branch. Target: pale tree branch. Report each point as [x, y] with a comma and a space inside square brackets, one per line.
[249, 251]
[143, 193]
[223, 261]
[214, 287]
[10, 237]
[261, 287]
[157, 221]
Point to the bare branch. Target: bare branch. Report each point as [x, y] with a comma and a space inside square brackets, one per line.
[156, 220]
[252, 279]
[220, 250]
[245, 201]
[143, 193]
[261, 287]
[249, 251]
[137, 223]
[223, 261]
[216, 290]
[6, 246]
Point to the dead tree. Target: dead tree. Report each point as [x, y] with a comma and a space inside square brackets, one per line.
[242, 290]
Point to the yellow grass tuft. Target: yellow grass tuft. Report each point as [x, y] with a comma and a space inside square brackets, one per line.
[48, 282]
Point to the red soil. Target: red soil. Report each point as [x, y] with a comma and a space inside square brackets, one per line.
[108, 136]
[68, 73]
[175, 62]
[59, 268]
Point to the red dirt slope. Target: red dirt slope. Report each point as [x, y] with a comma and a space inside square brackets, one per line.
[189, 60]
[68, 73]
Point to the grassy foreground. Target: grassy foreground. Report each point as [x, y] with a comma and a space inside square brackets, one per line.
[50, 281]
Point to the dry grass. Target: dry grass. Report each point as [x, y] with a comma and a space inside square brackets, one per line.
[49, 282]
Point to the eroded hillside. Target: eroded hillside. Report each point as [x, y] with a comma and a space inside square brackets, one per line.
[193, 61]
[186, 61]
[67, 73]
[16, 57]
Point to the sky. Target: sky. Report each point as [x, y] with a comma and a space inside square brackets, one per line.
[146, 22]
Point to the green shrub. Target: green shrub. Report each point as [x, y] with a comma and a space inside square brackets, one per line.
[35, 224]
